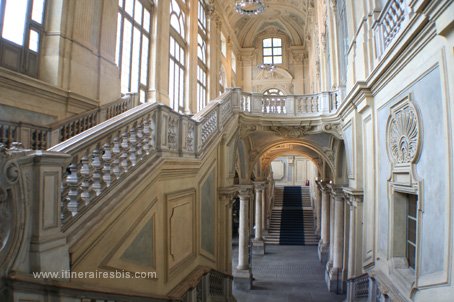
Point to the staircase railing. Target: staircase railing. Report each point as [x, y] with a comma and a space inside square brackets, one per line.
[104, 155]
[42, 137]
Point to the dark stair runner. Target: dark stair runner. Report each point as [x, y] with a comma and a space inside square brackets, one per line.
[292, 223]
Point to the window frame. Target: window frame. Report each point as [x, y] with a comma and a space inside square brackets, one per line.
[273, 49]
[144, 33]
[202, 63]
[177, 98]
[27, 59]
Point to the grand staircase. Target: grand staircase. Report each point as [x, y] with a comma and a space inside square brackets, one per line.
[292, 220]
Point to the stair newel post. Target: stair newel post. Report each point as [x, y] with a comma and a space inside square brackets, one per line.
[116, 157]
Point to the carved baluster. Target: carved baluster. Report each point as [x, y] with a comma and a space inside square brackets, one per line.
[152, 133]
[132, 146]
[139, 144]
[116, 158]
[124, 151]
[72, 181]
[146, 136]
[85, 184]
[106, 169]
[96, 164]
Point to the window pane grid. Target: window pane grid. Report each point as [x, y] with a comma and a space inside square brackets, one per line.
[272, 51]
[132, 49]
[411, 230]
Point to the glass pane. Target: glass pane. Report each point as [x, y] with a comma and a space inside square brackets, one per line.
[181, 88]
[278, 60]
[144, 63]
[277, 42]
[135, 61]
[172, 47]
[129, 7]
[38, 10]
[117, 48]
[412, 205]
[33, 43]
[14, 22]
[411, 252]
[266, 42]
[146, 20]
[411, 230]
[138, 12]
[277, 51]
[267, 52]
[120, 3]
[175, 24]
[267, 60]
[171, 80]
[126, 56]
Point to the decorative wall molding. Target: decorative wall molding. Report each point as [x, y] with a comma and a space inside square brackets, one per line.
[403, 133]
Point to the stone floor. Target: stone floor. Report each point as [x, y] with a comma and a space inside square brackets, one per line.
[286, 273]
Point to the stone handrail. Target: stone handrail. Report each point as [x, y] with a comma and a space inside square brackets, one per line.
[104, 155]
[42, 137]
[389, 24]
[289, 105]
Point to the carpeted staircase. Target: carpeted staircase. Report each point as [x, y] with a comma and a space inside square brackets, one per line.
[292, 221]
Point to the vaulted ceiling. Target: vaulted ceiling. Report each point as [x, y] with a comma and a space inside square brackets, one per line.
[295, 18]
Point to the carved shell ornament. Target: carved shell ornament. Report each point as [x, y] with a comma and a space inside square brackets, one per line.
[403, 134]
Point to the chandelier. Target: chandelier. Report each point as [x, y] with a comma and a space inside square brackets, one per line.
[250, 7]
[266, 67]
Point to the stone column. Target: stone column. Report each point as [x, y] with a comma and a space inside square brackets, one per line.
[226, 197]
[242, 275]
[264, 210]
[258, 243]
[334, 280]
[323, 244]
[317, 207]
[354, 199]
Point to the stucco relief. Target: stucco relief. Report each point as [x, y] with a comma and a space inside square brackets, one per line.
[403, 134]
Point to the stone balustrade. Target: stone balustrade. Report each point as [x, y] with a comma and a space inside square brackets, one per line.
[390, 22]
[105, 154]
[289, 105]
[42, 137]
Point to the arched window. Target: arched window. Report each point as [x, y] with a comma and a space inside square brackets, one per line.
[202, 66]
[272, 51]
[177, 56]
[21, 27]
[133, 44]
[273, 91]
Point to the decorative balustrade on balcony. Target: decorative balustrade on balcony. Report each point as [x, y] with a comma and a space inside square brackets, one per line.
[392, 19]
[107, 153]
[290, 105]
